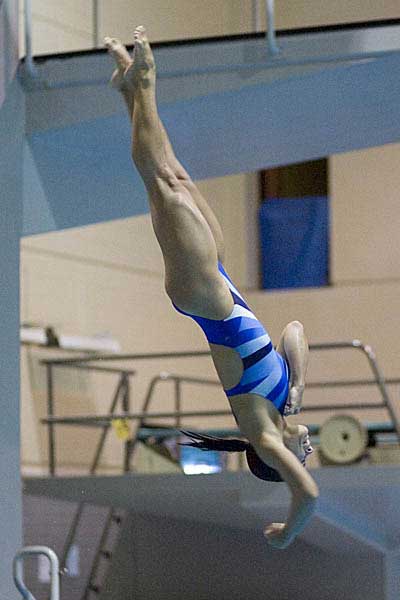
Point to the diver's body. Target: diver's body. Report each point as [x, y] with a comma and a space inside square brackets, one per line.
[192, 246]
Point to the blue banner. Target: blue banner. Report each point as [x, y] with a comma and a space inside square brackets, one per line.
[294, 235]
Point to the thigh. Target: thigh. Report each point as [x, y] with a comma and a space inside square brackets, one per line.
[192, 279]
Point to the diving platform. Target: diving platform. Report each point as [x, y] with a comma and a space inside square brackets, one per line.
[174, 519]
[325, 91]
[356, 503]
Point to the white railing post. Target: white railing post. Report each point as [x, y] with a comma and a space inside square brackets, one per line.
[256, 15]
[54, 571]
[29, 63]
[95, 23]
[271, 34]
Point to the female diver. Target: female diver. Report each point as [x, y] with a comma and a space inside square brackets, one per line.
[263, 385]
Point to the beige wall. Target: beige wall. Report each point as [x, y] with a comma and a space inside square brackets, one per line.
[67, 25]
[308, 13]
[109, 278]
[365, 187]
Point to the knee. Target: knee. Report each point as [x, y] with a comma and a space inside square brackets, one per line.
[267, 440]
[164, 172]
[184, 178]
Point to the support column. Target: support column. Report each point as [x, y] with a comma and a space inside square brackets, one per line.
[11, 135]
[391, 575]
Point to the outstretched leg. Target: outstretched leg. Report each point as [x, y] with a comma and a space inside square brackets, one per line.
[293, 346]
[125, 85]
[187, 242]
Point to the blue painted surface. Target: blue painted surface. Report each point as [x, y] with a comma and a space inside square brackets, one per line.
[81, 176]
[288, 121]
[294, 235]
[11, 135]
[85, 170]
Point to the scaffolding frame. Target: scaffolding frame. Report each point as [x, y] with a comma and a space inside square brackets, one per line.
[95, 363]
[104, 421]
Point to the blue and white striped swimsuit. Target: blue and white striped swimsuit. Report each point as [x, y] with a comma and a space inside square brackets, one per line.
[265, 371]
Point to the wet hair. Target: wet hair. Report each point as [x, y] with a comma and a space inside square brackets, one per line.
[207, 442]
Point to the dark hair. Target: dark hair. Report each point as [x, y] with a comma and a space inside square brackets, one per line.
[207, 442]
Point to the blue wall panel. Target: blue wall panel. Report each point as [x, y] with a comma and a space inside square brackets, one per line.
[294, 235]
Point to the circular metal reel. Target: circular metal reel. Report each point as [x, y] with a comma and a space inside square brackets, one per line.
[343, 440]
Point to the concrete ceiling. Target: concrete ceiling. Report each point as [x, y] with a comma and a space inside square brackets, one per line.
[228, 107]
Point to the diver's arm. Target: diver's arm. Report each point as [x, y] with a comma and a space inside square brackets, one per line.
[302, 486]
[293, 346]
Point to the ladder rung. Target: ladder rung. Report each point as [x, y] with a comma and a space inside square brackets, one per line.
[117, 519]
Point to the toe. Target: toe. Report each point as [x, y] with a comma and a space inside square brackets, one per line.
[140, 34]
[118, 51]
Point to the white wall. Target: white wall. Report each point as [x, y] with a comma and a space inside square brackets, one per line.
[365, 186]
[67, 25]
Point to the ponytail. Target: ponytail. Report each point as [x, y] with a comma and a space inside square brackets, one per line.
[208, 442]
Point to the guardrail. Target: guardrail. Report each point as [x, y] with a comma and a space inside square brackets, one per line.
[105, 420]
[123, 391]
[54, 571]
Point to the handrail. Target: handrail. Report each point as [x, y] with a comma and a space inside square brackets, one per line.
[29, 62]
[122, 357]
[355, 343]
[103, 420]
[271, 33]
[100, 446]
[54, 571]
[95, 23]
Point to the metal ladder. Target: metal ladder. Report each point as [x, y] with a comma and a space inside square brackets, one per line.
[103, 554]
[114, 517]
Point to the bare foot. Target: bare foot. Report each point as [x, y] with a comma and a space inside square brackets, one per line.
[123, 61]
[132, 71]
[143, 69]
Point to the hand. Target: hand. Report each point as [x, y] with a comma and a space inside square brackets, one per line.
[277, 535]
[293, 403]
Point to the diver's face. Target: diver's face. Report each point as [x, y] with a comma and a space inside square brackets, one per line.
[305, 447]
[299, 443]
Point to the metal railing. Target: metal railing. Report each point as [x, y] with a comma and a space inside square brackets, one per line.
[96, 19]
[105, 421]
[54, 571]
[274, 56]
[121, 393]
